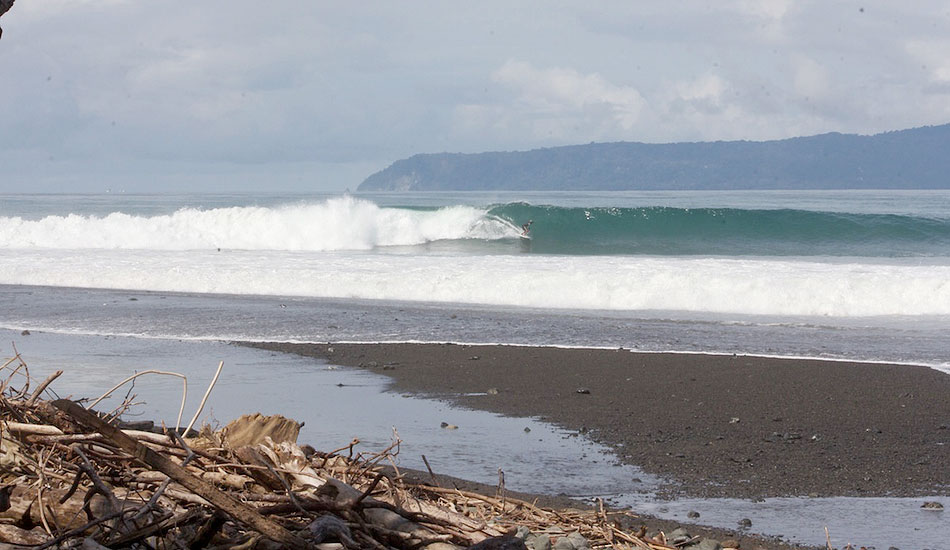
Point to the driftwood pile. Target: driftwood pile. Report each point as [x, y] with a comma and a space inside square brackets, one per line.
[73, 478]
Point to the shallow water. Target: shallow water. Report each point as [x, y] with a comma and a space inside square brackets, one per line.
[338, 404]
[878, 523]
[919, 340]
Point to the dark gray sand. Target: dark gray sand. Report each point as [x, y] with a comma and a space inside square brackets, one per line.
[719, 426]
[716, 426]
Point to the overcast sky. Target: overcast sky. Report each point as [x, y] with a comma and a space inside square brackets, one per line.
[314, 96]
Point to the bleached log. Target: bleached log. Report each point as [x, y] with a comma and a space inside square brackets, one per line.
[28, 429]
[46, 429]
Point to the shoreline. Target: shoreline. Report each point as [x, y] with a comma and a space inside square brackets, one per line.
[711, 424]
[264, 343]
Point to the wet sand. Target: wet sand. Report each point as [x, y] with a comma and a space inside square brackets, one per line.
[716, 426]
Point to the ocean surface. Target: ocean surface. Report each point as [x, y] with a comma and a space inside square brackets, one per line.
[861, 275]
[112, 284]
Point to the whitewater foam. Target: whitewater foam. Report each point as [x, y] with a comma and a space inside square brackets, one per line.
[343, 223]
[743, 286]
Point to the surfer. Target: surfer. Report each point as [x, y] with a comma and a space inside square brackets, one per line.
[525, 227]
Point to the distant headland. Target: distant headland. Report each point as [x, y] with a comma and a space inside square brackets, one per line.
[917, 158]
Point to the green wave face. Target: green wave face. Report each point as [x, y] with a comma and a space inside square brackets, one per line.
[727, 232]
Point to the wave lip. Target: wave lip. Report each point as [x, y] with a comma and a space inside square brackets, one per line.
[343, 223]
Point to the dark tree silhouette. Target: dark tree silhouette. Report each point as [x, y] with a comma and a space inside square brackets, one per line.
[5, 6]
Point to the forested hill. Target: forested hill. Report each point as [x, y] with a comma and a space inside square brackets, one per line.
[908, 159]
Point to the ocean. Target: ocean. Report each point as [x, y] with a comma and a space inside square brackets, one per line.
[111, 284]
[857, 275]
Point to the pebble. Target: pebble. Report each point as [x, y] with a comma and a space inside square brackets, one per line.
[25, 333]
[329, 527]
[448, 426]
[932, 505]
[536, 542]
[500, 543]
[692, 514]
[584, 391]
[578, 540]
[745, 523]
[679, 536]
[787, 437]
[532, 541]
[705, 544]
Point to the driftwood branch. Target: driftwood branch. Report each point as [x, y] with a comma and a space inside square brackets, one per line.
[219, 500]
[204, 399]
[43, 386]
[184, 390]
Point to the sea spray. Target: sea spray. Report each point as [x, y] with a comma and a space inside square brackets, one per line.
[343, 223]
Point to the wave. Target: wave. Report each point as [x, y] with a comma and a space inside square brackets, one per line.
[348, 223]
[342, 223]
[728, 231]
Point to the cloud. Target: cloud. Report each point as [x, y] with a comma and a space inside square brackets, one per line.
[704, 93]
[933, 56]
[555, 103]
[768, 16]
[227, 83]
[810, 78]
[558, 90]
[772, 10]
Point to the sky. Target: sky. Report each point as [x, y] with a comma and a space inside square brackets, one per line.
[314, 96]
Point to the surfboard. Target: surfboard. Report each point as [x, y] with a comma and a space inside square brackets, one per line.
[525, 237]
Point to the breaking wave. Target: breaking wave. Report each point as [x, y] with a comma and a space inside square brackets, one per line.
[348, 223]
[343, 223]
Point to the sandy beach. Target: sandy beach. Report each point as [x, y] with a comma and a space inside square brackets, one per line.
[715, 426]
